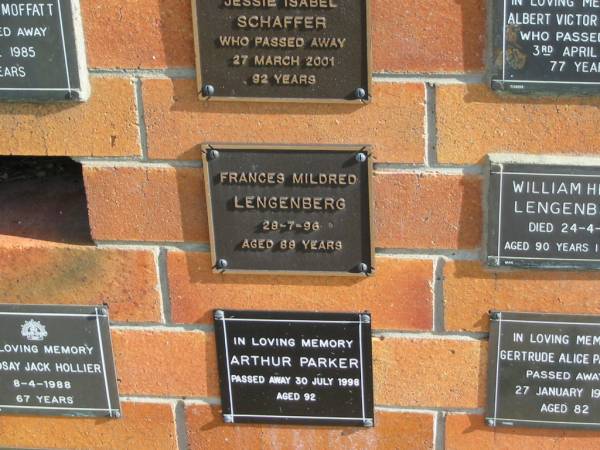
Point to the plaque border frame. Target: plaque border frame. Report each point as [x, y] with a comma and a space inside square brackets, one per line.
[497, 74]
[324, 100]
[495, 330]
[220, 318]
[84, 91]
[289, 147]
[491, 213]
[108, 364]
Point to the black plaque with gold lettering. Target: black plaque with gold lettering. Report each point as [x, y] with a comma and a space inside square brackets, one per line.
[309, 50]
[290, 209]
[57, 360]
[546, 46]
[295, 367]
[543, 370]
[42, 54]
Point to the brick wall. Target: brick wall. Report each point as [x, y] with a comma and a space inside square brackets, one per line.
[431, 122]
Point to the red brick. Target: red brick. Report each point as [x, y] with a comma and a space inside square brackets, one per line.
[105, 125]
[143, 426]
[178, 122]
[473, 121]
[470, 291]
[468, 432]
[34, 272]
[428, 36]
[392, 430]
[142, 204]
[399, 295]
[444, 373]
[427, 211]
[167, 363]
[138, 33]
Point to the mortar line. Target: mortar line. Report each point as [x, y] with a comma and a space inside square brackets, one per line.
[438, 295]
[181, 426]
[439, 430]
[377, 333]
[141, 116]
[163, 277]
[136, 163]
[384, 77]
[430, 125]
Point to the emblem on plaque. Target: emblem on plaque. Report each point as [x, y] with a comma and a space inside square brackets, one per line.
[33, 330]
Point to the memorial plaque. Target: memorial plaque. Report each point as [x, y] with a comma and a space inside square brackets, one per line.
[295, 368]
[290, 209]
[290, 50]
[544, 370]
[42, 54]
[543, 216]
[57, 360]
[546, 45]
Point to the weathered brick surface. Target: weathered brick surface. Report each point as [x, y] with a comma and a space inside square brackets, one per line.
[168, 363]
[392, 431]
[40, 273]
[470, 291]
[178, 122]
[399, 295]
[150, 204]
[143, 425]
[445, 373]
[473, 121]
[468, 432]
[106, 125]
[138, 33]
[427, 211]
[408, 36]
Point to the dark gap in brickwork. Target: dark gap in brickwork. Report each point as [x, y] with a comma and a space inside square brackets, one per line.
[43, 198]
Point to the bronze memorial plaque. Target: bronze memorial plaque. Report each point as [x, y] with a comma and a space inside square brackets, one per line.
[288, 50]
[292, 209]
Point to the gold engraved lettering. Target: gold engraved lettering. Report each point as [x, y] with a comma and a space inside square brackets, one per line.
[326, 4]
[327, 42]
[282, 22]
[278, 42]
[276, 61]
[294, 203]
[338, 179]
[317, 245]
[250, 3]
[293, 79]
[251, 177]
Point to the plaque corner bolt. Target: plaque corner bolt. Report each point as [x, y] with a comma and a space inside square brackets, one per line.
[494, 315]
[116, 414]
[363, 268]
[219, 314]
[368, 422]
[361, 157]
[365, 318]
[490, 422]
[208, 90]
[222, 264]
[227, 418]
[213, 154]
[360, 93]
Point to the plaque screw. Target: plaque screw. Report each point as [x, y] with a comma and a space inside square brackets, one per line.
[368, 422]
[363, 268]
[213, 154]
[219, 314]
[360, 93]
[117, 414]
[208, 90]
[361, 157]
[222, 264]
[227, 418]
[490, 422]
[494, 315]
[365, 318]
